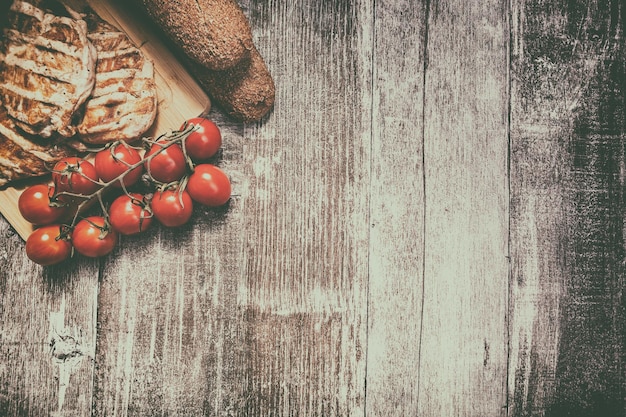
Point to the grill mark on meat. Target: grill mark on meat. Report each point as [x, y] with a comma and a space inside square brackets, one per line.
[123, 80]
[32, 86]
[112, 61]
[108, 41]
[32, 20]
[38, 69]
[24, 156]
[123, 103]
[39, 54]
[31, 120]
[23, 23]
[118, 110]
[48, 67]
[35, 58]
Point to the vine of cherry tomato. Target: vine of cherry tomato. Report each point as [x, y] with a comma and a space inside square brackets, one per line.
[131, 187]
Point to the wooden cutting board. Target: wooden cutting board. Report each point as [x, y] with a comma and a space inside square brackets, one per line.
[180, 97]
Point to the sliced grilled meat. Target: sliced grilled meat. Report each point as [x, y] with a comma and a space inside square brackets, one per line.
[23, 155]
[123, 104]
[47, 66]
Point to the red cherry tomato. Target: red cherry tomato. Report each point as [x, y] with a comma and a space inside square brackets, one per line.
[204, 141]
[35, 206]
[130, 214]
[115, 160]
[209, 185]
[172, 207]
[92, 237]
[75, 175]
[46, 246]
[169, 165]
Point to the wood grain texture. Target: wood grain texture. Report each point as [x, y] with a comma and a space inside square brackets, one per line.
[429, 223]
[538, 221]
[463, 357]
[396, 243]
[47, 333]
[168, 315]
[567, 140]
[306, 212]
[260, 310]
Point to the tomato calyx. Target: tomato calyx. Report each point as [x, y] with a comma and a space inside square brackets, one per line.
[65, 232]
[46, 246]
[177, 186]
[93, 237]
[144, 204]
[54, 200]
[173, 163]
[172, 207]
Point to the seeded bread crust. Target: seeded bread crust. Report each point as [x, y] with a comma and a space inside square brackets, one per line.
[213, 33]
[246, 92]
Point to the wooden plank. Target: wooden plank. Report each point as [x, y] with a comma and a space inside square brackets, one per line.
[464, 340]
[396, 255]
[259, 309]
[168, 309]
[47, 333]
[567, 164]
[168, 341]
[306, 212]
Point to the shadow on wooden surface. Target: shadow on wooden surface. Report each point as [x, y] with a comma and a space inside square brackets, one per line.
[567, 141]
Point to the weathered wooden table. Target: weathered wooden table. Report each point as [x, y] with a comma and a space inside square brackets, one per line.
[431, 222]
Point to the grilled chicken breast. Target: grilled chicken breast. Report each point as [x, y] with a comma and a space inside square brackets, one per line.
[46, 66]
[66, 78]
[123, 104]
[22, 155]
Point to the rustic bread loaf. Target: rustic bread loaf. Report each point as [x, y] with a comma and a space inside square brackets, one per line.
[214, 33]
[246, 92]
[215, 39]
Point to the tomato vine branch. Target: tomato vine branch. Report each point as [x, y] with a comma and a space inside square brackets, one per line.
[172, 138]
